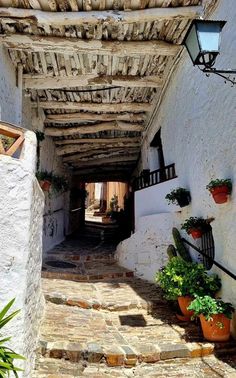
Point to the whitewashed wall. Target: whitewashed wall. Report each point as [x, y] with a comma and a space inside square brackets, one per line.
[152, 200]
[197, 117]
[10, 95]
[21, 209]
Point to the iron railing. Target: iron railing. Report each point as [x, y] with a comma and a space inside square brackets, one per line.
[147, 178]
[205, 255]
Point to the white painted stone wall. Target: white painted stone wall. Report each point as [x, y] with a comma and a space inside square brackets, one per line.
[10, 95]
[152, 200]
[145, 251]
[21, 209]
[197, 116]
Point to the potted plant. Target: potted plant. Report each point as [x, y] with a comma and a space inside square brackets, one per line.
[179, 196]
[196, 226]
[7, 355]
[214, 315]
[45, 180]
[220, 189]
[59, 184]
[181, 280]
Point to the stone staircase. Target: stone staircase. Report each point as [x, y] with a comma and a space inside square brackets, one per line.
[108, 323]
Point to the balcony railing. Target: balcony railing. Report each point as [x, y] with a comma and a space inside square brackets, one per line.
[148, 178]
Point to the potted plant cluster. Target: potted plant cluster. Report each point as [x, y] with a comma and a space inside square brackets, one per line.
[181, 280]
[179, 196]
[220, 190]
[45, 180]
[214, 316]
[196, 226]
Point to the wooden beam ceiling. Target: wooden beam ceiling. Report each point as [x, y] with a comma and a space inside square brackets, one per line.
[77, 149]
[77, 117]
[34, 81]
[63, 45]
[54, 19]
[87, 129]
[89, 106]
[99, 154]
[104, 141]
[113, 161]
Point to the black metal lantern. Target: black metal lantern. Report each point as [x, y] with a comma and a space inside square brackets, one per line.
[203, 41]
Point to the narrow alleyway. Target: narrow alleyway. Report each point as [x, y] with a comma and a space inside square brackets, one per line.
[111, 324]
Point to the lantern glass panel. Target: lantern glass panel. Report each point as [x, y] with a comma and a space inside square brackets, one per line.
[192, 44]
[209, 36]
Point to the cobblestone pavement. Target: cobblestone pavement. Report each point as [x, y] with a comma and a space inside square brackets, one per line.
[117, 327]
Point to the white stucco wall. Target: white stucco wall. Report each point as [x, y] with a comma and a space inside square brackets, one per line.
[10, 95]
[145, 251]
[197, 117]
[21, 209]
[152, 200]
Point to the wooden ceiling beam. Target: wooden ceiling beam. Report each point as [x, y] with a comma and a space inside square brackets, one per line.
[105, 151]
[54, 19]
[77, 117]
[88, 129]
[63, 45]
[104, 141]
[35, 81]
[108, 161]
[99, 107]
[65, 150]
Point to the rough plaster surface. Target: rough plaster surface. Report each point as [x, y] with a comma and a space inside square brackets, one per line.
[21, 208]
[10, 95]
[197, 117]
[145, 251]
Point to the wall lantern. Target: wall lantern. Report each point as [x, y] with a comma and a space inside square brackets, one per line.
[203, 44]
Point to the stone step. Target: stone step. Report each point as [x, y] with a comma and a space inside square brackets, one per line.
[93, 277]
[120, 339]
[73, 256]
[130, 293]
[205, 367]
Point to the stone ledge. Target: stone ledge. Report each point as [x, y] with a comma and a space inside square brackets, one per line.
[86, 278]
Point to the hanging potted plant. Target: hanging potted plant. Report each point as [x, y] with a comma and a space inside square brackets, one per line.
[214, 316]
[181, 280]
[179, 196]
[45, 180]
[220, 190]
[196, 226]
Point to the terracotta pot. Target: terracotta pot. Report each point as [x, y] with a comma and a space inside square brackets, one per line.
[196, 233]
[220, 194]
[45, 185]
[184, 302]
[217, 329]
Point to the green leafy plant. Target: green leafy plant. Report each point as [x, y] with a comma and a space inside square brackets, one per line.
[39, 135]
[44, 175]
[181, 278]
[208, 306]
[7, 355]
[219, 182]
[176, 195]
[114, 203]
[195, 223]
[180, 246]
[59, 184]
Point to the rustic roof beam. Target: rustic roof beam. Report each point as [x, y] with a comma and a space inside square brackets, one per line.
[108, 161]
[93, 155]
[86, 149]
[99, 107]
[62, 45]
[54, 19]
[70, 142]
[87, 129]
[35, 81]
[77, 117]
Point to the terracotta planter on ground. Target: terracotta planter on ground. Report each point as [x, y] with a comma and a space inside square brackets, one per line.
[196, 233]
[45, 185]
[184, 302]
[220, 194]
[217, 329]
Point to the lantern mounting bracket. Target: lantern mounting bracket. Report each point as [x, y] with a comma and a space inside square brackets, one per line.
[221, 73]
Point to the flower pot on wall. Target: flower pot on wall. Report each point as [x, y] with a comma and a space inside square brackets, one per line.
[184, 200]
[217, 329]
[184, 302]
[220, 194]
[45, 185]
[196, 233]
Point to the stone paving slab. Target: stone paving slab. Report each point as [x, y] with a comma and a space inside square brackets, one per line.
[110, 295]
[122, 338]
[206, 367]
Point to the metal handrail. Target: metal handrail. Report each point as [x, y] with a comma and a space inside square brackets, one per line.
[232, 275]
[155, 177]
